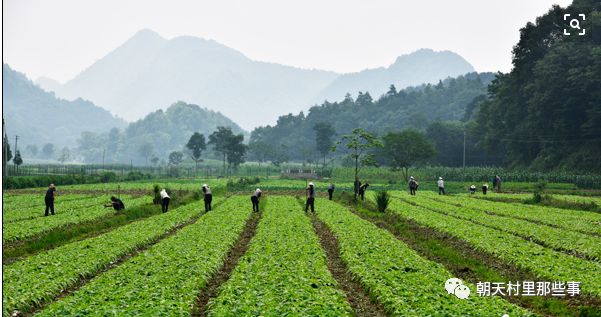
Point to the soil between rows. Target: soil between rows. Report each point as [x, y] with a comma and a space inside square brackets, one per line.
[355, 293]
[212, 288]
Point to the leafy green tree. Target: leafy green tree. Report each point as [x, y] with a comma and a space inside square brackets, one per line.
[196, 145]
[18, 160]
[176, 158]
[154, 160]
[406, 148]
[279, 155]
[259, 151]
[229, 145]
[220, 140]
[48, 150]
[359, 143]
[236, 151]
[447, 138]
[324, 132]
[364, 100]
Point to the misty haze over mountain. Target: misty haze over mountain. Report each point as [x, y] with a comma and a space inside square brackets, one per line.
[148, 72]
[38, 117]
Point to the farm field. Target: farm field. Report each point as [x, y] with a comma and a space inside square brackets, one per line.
[164, 263]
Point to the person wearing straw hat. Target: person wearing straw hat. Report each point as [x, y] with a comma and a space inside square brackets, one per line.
[255, 199]
[49, 199]
[208, 197]
[310, 193]
[441, 186]
[412, 185]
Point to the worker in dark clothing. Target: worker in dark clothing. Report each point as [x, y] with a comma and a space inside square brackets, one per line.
[255, 199]
[164, 200]
[331, 188]
[413, 184]
[472, 189]
[208, 197]
[362, 190]
[484, 189]
[49, 199]
[116, 203]
[310, 193]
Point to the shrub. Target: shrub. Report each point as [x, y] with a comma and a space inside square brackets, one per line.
[382, 200]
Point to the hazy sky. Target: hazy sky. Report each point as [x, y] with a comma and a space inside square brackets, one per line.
[60, 38]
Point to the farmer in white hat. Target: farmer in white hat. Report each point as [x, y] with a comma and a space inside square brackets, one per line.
[208, 197]
[413, 185]
[255, 199]
[310, 193]
[441, 186]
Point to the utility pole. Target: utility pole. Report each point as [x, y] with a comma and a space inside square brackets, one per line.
[103, 159]
[463, 148]
[16, 140]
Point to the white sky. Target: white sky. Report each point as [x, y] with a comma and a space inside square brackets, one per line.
[60, 38]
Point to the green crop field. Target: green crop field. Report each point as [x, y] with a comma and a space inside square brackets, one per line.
[190, 263]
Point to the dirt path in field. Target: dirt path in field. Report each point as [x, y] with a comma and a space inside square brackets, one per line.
[212, 288]
[85, 279]
[422, 239]
[355, 294]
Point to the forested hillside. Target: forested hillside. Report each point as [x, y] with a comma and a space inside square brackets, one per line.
[38, 117]
[293, 136]
[546, 113]
[156, 135]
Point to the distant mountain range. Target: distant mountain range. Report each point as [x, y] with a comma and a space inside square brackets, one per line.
[419, 67]
[148, 72]
[38, 117]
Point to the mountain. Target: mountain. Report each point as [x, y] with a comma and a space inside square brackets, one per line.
[419, 67]
[162, 132]
[48, 84]
[38, 117]
[148, 71]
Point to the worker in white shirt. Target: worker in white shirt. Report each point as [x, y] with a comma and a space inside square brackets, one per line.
[208, 197]
[255, 199]
[441, 186]
[164, 200]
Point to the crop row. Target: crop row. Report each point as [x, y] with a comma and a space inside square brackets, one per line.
[556, 238]
[165, 279]
[63, 204]
[399, 278]
[18, 202]
[41, 277]
[579, 199]
[582, 221]
[543, 262]
[284, 272]
[29, 228]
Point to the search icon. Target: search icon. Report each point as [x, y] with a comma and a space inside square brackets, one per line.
[575, 24]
